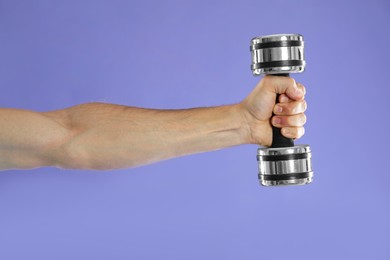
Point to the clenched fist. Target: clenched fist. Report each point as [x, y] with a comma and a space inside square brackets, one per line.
[260, 106]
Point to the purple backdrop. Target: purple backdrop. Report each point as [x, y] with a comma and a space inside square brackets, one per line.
[180, 54]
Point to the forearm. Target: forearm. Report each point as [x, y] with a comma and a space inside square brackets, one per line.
[29, 139]
[106, 136]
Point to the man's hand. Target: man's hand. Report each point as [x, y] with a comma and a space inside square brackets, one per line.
[289, 113]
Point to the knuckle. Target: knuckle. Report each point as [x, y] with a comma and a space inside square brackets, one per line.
[302, 87]
[303, 119]
[289, 121]
[294, 108]
[291, 81]
[295, 120]
[304, 105]
[300, 107]
[294, 132]
[289, 110]
[302, 131]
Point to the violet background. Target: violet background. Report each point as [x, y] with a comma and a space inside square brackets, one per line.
[180, 54]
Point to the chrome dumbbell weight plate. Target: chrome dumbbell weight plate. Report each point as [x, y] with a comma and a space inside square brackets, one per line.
[285, 166]
[276, 54]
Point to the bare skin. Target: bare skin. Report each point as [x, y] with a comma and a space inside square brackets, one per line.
[107, 136]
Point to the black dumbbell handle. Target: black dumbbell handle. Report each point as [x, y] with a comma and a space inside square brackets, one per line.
[278, 140]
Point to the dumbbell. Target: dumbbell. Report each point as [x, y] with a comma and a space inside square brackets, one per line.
[282, 163]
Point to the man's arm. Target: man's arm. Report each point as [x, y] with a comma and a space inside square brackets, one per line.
[106, 136]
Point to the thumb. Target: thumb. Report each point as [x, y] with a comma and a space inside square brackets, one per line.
[283, 85]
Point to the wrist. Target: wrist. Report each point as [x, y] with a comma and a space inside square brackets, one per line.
[244, 121]
[254, 130]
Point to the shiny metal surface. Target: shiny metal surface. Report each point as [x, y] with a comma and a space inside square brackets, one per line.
[278, 53]
[291, 53]
[287, 166]
[277, 37]
[287, 182]
[284, 167]
[300, 148]
[278, 70]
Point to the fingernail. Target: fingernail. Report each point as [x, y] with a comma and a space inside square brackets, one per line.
[278, 109]
[276, 120]
[286, 131]
[283, 98]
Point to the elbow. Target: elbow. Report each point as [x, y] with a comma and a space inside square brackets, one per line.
[74, 156]
[65, 153]
[78, 153]
[84, 147]
[64, 150]
[80, 157]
